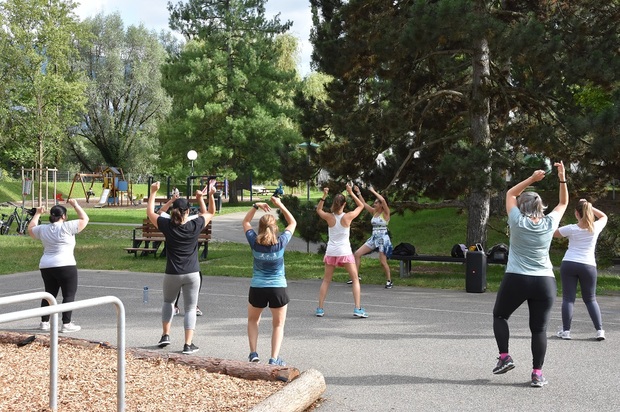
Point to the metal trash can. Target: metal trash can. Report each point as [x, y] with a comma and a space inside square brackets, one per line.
[475, 272]
[217, 196]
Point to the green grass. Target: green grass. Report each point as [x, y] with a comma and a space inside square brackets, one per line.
[100, 246]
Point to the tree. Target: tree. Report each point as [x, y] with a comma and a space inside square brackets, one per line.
[42, 92]
[232, 85]
[125, 98]
[441, 99]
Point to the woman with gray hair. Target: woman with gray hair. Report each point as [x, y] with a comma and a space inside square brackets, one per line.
[529, 273]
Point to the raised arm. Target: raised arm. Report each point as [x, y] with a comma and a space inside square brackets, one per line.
[150, 204]
[516, 190]
[360, 205]
[292, 223]
[247, 220]
[358, 193]
[82, 216]
[319, 208]
[35, 220]
[384, 206]
[207, 214]
[563, 189]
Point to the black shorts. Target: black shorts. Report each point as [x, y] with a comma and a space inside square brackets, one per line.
[272, 297]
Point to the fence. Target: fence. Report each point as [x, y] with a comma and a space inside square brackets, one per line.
[53, 311]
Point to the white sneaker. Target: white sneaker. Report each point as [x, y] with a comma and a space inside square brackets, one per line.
[45, 326]
[600, 334]
[70, 327]
[564, 334]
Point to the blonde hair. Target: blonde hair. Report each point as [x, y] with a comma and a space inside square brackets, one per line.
[584, 209]
[339, 201]
[267, 231]
[531, 205]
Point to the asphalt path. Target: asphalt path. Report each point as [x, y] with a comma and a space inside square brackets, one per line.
[419, 349]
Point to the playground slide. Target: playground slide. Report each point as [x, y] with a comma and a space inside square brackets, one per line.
[103, 200]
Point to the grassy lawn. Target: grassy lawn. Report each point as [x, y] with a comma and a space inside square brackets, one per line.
[100, 246]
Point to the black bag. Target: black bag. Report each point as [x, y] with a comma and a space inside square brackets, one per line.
[498, 254]
[458, 250]
[404, 249]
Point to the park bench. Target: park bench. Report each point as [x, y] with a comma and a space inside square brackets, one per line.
[147, 239]
[405, 261]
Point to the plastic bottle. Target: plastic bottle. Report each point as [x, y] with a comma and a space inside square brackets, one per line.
[145, 295]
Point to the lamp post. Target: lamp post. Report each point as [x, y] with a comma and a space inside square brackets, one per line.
[191, 155]
[307, 146]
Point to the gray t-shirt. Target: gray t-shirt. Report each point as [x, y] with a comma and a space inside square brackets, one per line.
[529, 243]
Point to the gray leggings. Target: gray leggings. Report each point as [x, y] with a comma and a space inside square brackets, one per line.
[573, 272]
[173, 284]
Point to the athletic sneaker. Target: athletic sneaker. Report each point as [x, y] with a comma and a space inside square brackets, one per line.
[45, 326]
[538, 381]
[164, 341]
[277, 362]
[253, 357]
[600, 334]
[503, 365]
[189, 349]
[198, 311]
[319, 312]
[564, 334]
[70, 327]
[389, 284]
[359, 313]
[350, 282]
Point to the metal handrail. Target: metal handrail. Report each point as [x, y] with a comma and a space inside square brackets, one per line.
[65, 307]
[53, 333]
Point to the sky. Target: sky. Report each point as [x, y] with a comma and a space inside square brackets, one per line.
[154, 15]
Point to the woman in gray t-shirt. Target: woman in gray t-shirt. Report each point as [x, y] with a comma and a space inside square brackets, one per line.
[529, 273]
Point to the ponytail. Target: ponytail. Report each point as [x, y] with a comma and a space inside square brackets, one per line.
[176, 217]
[584, 209]
[267, 231]
[339, 201]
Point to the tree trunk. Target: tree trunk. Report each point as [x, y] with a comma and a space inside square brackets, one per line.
[479, 197]
[297, 396]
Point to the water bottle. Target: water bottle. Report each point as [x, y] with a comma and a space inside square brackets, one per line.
[145, 295]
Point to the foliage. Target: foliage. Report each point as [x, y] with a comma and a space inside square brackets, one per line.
[125, 98]
[42, 93]
[442, 99]
[232, 86]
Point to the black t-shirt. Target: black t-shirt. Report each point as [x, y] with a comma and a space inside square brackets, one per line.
[181, 245]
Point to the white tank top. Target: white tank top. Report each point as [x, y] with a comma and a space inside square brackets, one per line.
[338, 243]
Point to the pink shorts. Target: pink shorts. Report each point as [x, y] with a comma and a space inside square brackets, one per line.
[339, 260]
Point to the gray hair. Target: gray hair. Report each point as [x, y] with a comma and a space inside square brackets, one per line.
[530, 204]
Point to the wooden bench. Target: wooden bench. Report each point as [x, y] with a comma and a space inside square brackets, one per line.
[149, 239]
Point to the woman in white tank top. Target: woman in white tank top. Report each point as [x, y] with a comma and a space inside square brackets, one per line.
[339, 252]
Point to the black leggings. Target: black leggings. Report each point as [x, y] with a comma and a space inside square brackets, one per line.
[65, 279]
[539, 292]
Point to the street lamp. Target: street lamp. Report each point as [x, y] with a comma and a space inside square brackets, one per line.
[192, 155]
[307, 146]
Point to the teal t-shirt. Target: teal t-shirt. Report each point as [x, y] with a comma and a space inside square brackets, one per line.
[268, 268]
[529, 243]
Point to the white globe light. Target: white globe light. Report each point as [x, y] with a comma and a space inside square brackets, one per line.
[192, 155]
